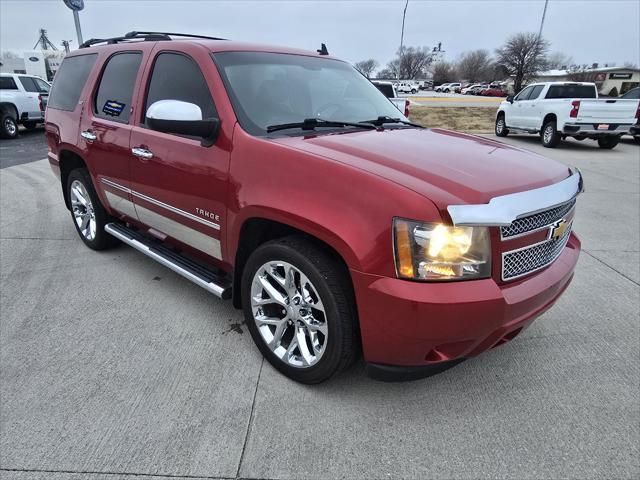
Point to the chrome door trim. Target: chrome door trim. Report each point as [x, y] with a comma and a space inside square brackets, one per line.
[503, 210]
[161, 204]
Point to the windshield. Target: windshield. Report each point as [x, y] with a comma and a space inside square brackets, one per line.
[271, 88]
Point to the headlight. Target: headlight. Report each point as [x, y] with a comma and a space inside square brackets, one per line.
[433, 251]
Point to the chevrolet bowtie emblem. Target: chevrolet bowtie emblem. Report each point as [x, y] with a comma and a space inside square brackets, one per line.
[558, 229]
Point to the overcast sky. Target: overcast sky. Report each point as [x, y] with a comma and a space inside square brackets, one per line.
[587, 30]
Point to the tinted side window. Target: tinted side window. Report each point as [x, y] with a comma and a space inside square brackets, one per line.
[28, 84]
[113, 99]
[70, 80]
[43, 86]
[524, 94]
[7, 83]
[635, 93]
[178, 77]
[571, 91]
[535, 92]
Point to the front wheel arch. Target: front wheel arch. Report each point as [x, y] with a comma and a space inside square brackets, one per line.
[256, 231]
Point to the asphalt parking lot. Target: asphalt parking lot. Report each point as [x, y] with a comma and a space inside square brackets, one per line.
[111, 366]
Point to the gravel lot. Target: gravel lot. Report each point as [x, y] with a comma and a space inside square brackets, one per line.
[112, 366]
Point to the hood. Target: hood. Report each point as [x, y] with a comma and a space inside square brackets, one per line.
[447, 167]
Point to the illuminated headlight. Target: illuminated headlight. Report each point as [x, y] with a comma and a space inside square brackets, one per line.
[433, 251]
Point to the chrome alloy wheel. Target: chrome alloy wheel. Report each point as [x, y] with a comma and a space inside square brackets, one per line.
[500, 125]
[548, 134]
[82, 209]
[289, 314]
[10, 126]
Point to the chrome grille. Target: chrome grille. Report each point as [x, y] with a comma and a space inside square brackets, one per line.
[523, 261]
[537, 220]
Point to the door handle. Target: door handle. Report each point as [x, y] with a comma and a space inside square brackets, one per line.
[142, 153]
[88, 135]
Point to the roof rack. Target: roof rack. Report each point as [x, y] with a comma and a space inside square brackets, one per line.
[144, 36]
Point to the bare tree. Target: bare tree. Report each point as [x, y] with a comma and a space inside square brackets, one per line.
[476, 66]
[366, 67]
[523, 55]
[9, 54]
[443, 72]
[414, 61]
[559, 60]
[410, 63]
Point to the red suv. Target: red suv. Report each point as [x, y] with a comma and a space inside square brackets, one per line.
[285, 180]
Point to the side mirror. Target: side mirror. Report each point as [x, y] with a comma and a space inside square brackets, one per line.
[510, 99]
[182, 118]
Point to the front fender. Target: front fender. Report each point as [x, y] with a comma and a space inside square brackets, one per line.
[348, 208]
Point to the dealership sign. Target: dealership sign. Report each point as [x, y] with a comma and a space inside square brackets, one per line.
[620, 76]
[76, 5]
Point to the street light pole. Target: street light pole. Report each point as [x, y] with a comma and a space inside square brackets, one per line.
[76, 19]
[76, 6]
[404, 14]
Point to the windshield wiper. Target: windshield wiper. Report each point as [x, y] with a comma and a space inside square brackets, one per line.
[312, 123]
[378, 122]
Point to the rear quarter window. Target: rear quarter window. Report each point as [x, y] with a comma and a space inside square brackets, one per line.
[7, 83]
[70, 80]
[571, 91]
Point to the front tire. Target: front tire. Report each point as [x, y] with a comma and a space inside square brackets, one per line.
[299, 309]
[88, 214]
[608, 142]
[8, 126]
[501, 127]
[550, 136]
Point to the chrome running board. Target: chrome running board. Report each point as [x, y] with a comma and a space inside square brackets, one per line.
[207, 279]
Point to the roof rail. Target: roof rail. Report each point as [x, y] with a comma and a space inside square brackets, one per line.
[145, 36]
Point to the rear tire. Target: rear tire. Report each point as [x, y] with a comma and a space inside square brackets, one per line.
[549, 135]
[608, 142]
[8, 126]
[88, 215]
[501, 127]
[316, 309]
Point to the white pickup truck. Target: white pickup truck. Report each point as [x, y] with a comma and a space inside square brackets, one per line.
[389, 91]
[23, 99]
[557, 110]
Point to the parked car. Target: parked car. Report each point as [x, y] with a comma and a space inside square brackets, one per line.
[389, 91]
[493, 92]
[558, 110]
[440, 88]
[405, 87]
[335, 224]
[23, 99]
[468, 89]
[450, 87]
[476, 89]
[459, 88]
[634, 94]
[425, 85]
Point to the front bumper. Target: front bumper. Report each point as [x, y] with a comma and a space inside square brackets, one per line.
[592, 129]
[416, 324]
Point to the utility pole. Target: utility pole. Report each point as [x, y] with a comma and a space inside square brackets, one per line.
[544, 14]
[404, 14]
